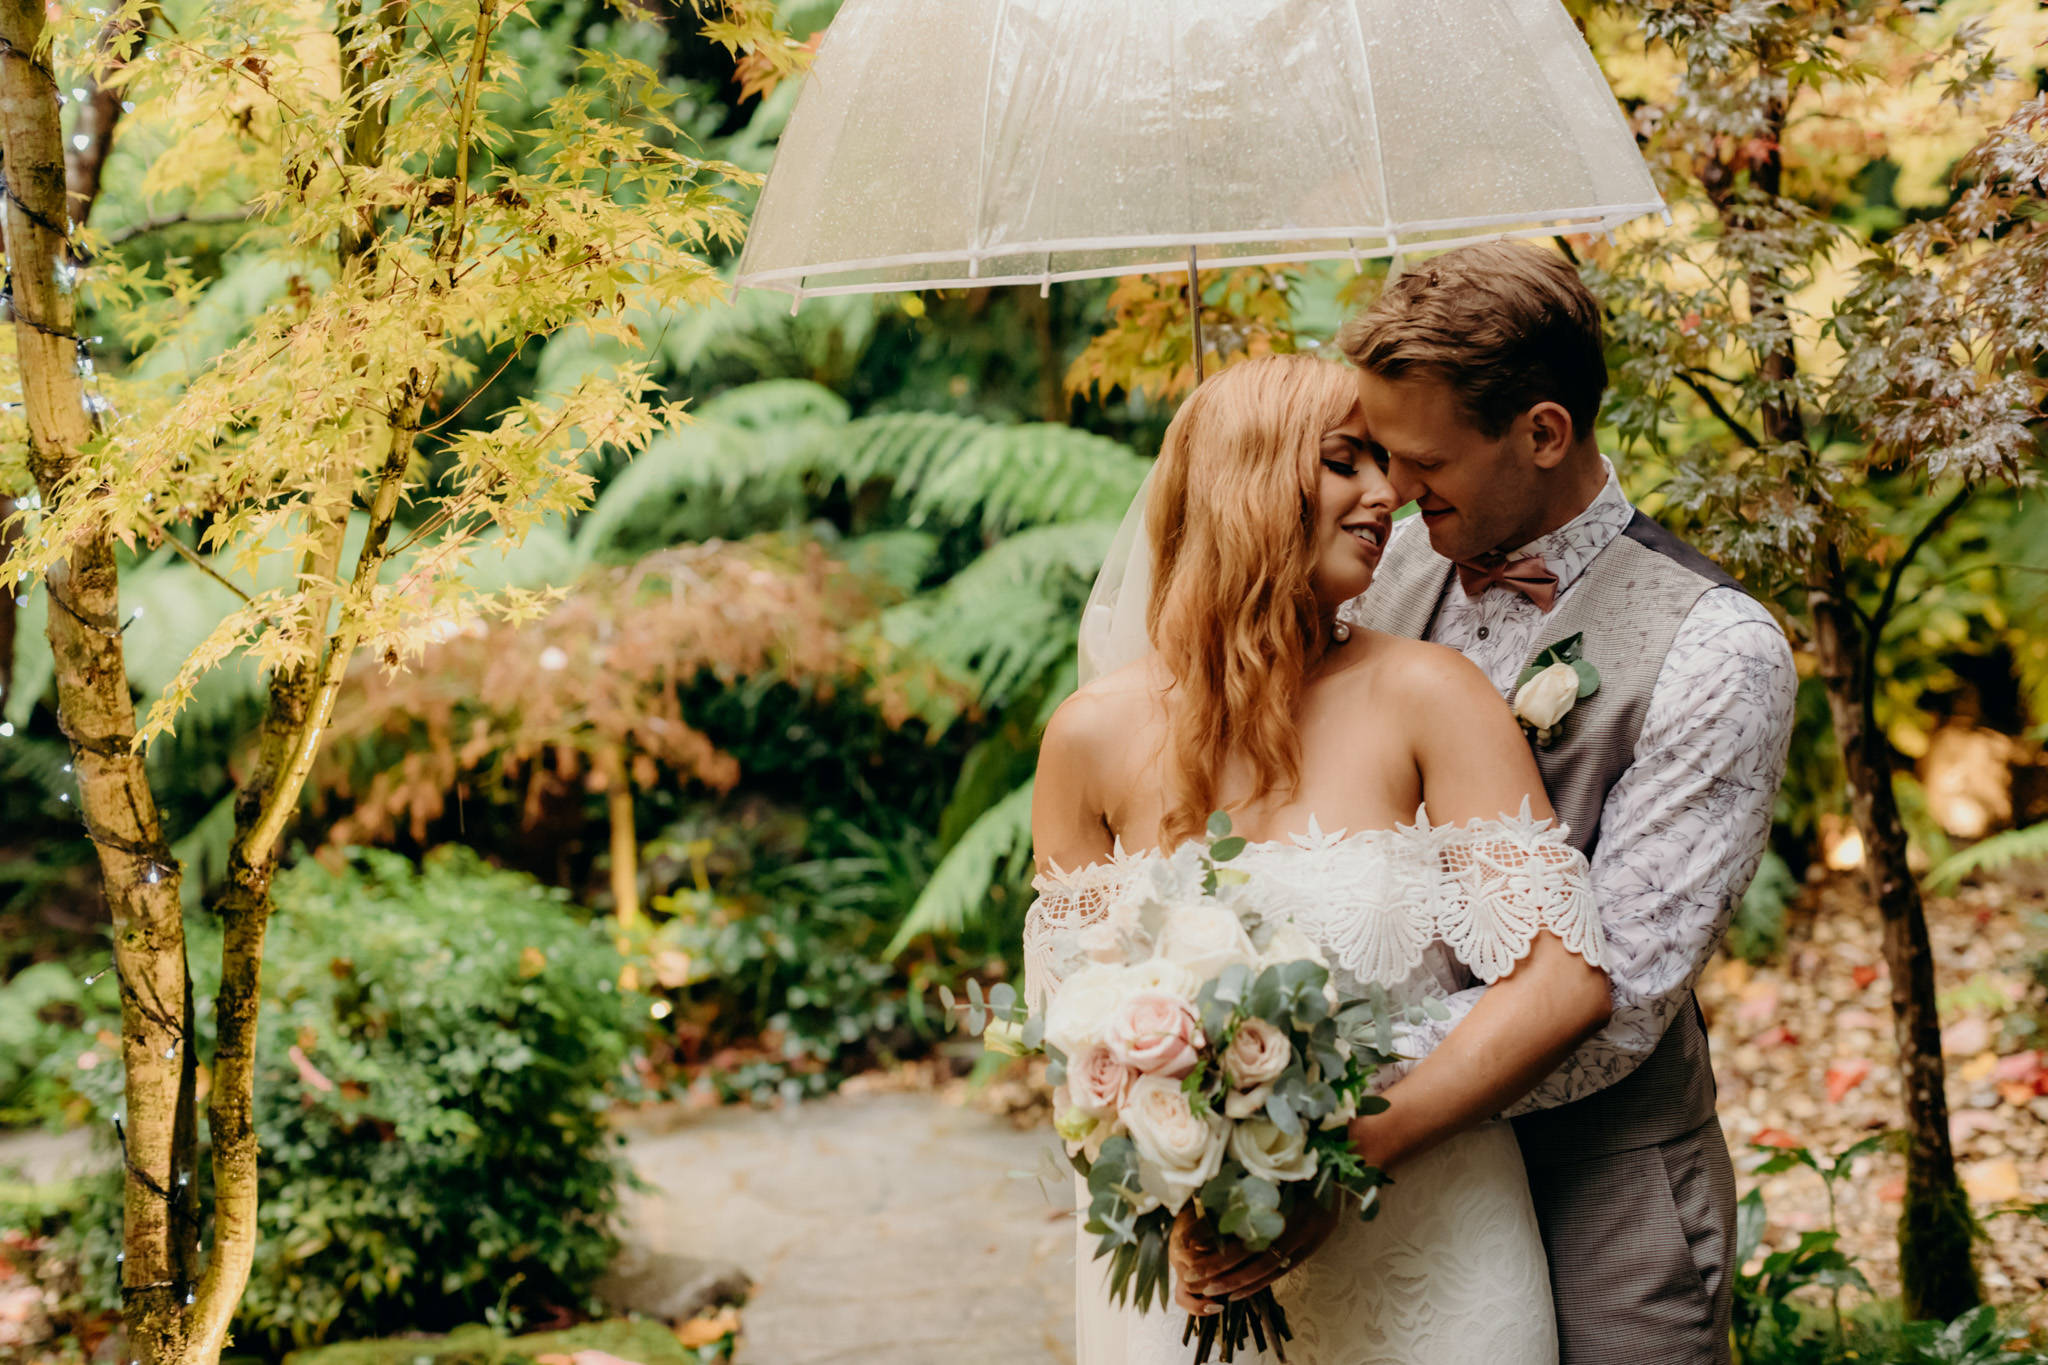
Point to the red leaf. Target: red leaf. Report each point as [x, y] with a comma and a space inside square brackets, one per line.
[1846, 1076]
[1863, 976]
[1776, 1137]
[1777, 1037]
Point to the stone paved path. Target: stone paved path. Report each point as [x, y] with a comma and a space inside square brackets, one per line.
[880, 1230]
[890, 1229]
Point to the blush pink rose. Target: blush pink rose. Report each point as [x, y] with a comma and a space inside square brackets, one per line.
[1097, 1083]
[1257, 1054]
[1155, 1033]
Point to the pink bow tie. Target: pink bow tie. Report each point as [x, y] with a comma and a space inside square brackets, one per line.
[1528, 575]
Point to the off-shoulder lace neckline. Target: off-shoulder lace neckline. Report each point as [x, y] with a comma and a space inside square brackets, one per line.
[1313, 839]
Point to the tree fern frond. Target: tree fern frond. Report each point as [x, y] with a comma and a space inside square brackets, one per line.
[1058, 560]
[999, 641]
[2000, 850]
[1027, 475]
[994, 849]
[203, 851]
[702, 459]
[171, 607]
[901, 447]
[35, 668]
[44, 763]
[901, 559]
[824, 340]
[773, 404]
[963, 470]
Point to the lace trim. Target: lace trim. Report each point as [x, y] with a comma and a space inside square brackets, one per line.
[1376, 899]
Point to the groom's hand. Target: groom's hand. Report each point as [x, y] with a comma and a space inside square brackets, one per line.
[1209, 1270]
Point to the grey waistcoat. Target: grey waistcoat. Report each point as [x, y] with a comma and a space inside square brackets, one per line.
[1628, 604]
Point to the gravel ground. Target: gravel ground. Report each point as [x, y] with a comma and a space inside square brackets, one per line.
[1804, 1052]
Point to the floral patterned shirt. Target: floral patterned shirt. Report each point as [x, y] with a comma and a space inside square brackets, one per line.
[1683, 829]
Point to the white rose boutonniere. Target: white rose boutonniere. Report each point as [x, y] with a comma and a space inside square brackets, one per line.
[1551, 687]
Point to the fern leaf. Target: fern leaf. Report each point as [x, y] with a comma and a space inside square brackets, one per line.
[994, 848]
[1026, 475]
[2000, 850]
[202, 852]
[773, 404]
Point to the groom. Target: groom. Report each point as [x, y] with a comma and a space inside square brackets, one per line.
[1480, 377]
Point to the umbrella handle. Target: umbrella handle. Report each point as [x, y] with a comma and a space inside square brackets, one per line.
[1195, 310]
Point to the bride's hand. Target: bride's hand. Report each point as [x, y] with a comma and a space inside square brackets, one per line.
[1209, 1270]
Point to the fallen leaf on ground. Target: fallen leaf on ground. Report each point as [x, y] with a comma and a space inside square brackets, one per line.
[1966, 1037]
[1759, 1003]
[1996, 1181]
[1845, 1076]
[1776, 1137]
[1967, 1123]
[1978, 1068]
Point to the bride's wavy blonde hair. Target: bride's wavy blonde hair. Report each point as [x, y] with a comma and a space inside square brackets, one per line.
[1233, 609]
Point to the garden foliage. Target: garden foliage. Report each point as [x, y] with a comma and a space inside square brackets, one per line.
[441, 1043]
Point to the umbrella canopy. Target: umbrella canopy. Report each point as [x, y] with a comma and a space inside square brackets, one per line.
[954, 143]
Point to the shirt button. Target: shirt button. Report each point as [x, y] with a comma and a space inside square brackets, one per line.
[1484, 632]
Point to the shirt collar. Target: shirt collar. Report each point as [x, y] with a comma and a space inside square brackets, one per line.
[1572, 546]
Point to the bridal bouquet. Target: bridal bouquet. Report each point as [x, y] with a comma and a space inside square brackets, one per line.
[1200, 1058]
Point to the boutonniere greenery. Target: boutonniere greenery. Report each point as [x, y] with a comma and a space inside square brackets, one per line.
[1549, 688]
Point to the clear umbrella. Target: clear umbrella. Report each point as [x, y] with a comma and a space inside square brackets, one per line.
[956, 143]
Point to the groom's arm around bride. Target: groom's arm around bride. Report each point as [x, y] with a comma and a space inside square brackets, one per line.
[1481, 374]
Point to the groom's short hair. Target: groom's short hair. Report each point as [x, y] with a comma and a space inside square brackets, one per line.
[1505, 325]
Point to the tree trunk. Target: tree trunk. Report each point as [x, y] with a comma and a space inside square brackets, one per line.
[94, 708]
[1936, 1267]
[1938, 1274]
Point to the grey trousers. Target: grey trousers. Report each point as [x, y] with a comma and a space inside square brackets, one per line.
[1641, 1245]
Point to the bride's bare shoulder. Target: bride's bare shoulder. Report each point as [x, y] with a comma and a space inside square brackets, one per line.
[1422, 678]
[1106, 713]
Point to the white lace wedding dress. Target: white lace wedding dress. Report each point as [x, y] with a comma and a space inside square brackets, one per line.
[1451, 1272]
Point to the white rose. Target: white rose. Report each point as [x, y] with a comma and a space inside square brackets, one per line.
[1179, 1150]
[1205, 939]
[1081, 1007]
[1168, 978]
[1257, 1054]
[1262, 1149]
[1289, 944]
[1544, 699]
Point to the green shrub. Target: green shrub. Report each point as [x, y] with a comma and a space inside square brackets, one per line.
[1781, 1318]
[436, 1053]
[45, 1011]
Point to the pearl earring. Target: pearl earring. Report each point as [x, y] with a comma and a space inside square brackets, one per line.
[1340, 632]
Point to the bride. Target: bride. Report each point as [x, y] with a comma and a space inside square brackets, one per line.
[1244, 692]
